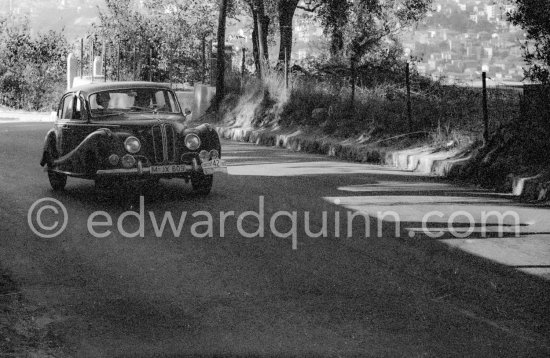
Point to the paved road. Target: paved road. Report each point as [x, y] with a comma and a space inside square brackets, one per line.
[401, 293]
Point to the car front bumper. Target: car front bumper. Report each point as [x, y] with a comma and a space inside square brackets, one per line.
[166, 170]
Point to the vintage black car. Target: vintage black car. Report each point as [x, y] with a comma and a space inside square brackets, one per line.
[116, 131]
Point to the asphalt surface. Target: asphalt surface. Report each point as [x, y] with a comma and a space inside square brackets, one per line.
[173, 293]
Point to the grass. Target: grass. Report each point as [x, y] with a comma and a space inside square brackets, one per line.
[447, 113]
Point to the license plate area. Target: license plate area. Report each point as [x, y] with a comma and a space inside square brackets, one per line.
[169, 169]
[213, 166]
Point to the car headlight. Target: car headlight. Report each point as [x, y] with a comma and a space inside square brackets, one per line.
[132, 145]
[192, 141]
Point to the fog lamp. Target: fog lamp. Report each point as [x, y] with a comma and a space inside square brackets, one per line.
[113, 159]
[128, 161]
[204, 156]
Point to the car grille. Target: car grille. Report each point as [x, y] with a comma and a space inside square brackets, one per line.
[164, 143]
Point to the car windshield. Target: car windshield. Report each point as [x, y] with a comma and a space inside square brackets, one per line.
[117, 101]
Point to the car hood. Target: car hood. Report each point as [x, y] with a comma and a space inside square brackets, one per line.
[140, 120]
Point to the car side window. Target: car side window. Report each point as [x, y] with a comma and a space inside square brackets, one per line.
[79, 109]
[67, 107]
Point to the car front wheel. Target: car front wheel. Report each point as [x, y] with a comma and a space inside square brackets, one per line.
[202, 184]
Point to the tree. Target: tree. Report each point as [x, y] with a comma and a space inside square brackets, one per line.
[533, 16]
[334, 16]
[286, 10]
[374, 23]
[32, 68]
[164, 38]
[260, 32]
[220, 80]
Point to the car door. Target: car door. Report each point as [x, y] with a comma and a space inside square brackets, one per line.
[63, 124]
[73, 125]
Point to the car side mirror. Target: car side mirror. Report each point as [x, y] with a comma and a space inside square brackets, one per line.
[187, 112]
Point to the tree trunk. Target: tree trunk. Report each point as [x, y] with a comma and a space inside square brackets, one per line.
[255, 45]
[220, 57]
[262, 24]
[286, 9]
[336, 42]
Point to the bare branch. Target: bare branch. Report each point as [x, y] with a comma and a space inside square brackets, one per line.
[309, 8]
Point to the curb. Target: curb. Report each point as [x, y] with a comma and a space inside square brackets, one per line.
[425, 160]
[534, 188]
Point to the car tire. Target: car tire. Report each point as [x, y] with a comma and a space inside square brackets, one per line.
[57, 180]
[202, 184]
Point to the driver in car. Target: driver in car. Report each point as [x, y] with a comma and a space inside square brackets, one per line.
[102, 99]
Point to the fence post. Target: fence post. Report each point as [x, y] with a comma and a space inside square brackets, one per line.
[212, 64]
[118, 62]
[150, 64]
[93, 58]
[104, 49]
[203, 59]
[81, 57]
[286, 68]
[134, 64]
[243, 69]
[409, 105]
[485, 110]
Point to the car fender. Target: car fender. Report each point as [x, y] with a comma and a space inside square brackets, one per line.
[83, 160]
[209, 137]
[50, 151]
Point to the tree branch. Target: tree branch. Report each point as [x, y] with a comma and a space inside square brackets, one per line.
[309, 9]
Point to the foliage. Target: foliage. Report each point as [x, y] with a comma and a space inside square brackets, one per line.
[449, 112]
[32, 69]
[161, 41]
[373, 22]
[534, 16]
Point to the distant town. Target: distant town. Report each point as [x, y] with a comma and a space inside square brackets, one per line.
[462, 38]
[457, 41]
